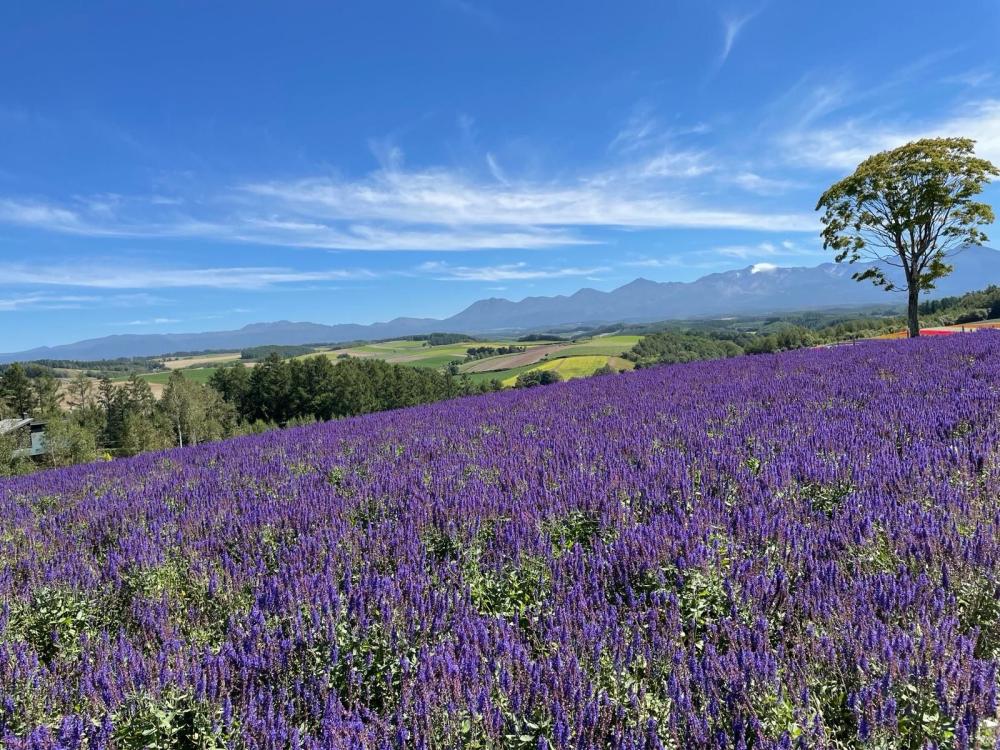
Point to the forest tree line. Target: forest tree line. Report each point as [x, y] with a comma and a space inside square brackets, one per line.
[88, 420]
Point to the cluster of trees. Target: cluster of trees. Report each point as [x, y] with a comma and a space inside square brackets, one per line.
[531, 337]
[967, 308]
[537, 377]
[482, 352]
[87, 419]
[102, 367]
[671, 347]
[277, 391]
[26, 390]
[263, 352]
[444, 339]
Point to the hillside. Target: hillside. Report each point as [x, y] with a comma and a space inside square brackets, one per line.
[758, 552]
[755, 289]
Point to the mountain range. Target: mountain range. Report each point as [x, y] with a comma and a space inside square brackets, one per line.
[760, 288]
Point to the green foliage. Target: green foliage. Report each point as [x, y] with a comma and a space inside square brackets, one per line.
[669, 347]
[967, 308]
[279, 391]
[282, 351]
[17, 392]
[576, 527]
[786, 339]
[482, 352]
[9, 465]
[95, 368]
[173, 720]
[826, 498]
[533, 337]
[511, 592]
[978, 598]
[67, 443]
[369, 667]
[52, 622]
[909, 208]
[537, 377]
[196, 413]
[703, 601]
[444, 339]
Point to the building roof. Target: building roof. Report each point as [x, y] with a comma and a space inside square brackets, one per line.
[9, 425]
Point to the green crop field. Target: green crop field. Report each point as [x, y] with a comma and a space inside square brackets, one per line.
[611, 346]
[414, 353]
[197, 374]
[571, 367]
[501, 375]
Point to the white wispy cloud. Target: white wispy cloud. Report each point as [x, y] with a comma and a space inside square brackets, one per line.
[152, 322]
[447, 198]
[782, 249]
[640, 128]
[434, 209]
[116, 277]
[843, 145]
[747, 251]
[503, 272]
[732, 25]
[41, 214]
[755, 183]
[40, 300]
[667, 262]
[495, 169]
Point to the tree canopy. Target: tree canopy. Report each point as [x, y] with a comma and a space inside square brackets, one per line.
[908, 209]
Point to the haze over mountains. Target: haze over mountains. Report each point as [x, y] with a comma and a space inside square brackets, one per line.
[761, 288]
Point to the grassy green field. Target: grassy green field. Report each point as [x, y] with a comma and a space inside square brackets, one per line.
[571, 367]
[501, 375]
[611, 346]
[197, 374]
[414, 353]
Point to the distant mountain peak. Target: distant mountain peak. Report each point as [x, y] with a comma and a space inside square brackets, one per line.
[639, 283]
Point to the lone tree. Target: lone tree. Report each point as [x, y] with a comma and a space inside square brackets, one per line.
[910, 209]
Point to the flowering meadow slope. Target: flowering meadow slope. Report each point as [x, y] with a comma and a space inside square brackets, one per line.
[796, 550]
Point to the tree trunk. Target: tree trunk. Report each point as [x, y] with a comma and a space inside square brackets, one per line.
[913, 310]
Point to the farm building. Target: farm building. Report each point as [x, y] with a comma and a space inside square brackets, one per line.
[29, 435]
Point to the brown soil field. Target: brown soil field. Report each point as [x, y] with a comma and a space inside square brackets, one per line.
[508, 361]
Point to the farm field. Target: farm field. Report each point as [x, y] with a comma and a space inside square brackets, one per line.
[612, 346]
[203, 360]
[793, 550]
[197, 374]
[570, 367]
[414, 353]
[505, 368]
[514, 361]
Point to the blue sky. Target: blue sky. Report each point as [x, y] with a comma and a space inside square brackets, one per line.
[184, 166]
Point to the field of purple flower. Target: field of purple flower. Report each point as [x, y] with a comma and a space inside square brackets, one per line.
[794, 550]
